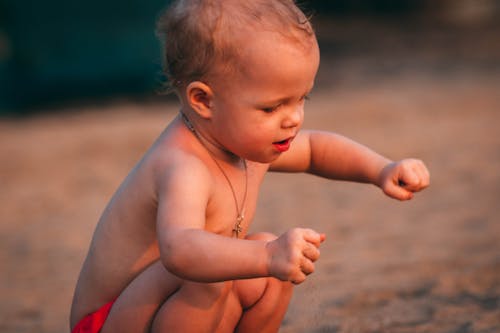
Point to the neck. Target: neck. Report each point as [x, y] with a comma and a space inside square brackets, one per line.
[214, 148]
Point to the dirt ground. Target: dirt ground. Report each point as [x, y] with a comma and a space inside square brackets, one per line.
[429, 265]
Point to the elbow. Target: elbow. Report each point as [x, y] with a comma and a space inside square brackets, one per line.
[174, 258]
[171, 263]
[183, 255]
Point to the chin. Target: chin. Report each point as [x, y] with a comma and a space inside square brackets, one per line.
[264, 159]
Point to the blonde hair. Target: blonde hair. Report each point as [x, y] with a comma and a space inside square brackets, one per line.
[198, 34]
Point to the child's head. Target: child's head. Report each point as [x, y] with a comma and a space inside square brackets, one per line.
[234, 63]
[203, 38]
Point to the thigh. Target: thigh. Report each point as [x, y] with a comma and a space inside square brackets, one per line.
[210, 307]
[136, 306]
[264, 303]
[195, 307]
[249, 291]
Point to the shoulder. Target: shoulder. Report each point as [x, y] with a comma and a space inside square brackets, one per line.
[186, 167]
[176, 165]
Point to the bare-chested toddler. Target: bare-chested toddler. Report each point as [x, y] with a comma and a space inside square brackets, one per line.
[171, 252]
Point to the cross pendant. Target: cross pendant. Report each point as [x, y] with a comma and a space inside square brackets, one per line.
[237, 227]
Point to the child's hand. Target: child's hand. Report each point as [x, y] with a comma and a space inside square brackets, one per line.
[401, 179]
[292, 255]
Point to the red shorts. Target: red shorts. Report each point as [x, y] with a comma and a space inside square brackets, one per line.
[92, 323]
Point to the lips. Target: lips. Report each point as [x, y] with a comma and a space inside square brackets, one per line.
[283, 145]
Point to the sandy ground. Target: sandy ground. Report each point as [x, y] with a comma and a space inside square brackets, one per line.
[430, 265]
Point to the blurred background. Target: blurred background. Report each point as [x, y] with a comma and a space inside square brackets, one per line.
[57, 51]
[79, 107]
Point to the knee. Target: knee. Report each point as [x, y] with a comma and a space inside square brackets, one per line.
[278, 293]
[270, 291]
[284, 288]
[214, 291]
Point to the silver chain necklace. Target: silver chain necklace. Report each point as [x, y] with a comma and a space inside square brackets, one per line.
[240, 212]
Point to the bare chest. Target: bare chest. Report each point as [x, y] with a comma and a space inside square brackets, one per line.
[230, 211]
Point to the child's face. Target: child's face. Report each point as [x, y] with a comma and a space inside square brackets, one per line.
[259, 110]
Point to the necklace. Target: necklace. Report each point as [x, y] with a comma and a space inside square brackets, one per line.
[240, 211]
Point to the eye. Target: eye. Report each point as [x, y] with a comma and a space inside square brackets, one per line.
[305, 98]
[271, 109]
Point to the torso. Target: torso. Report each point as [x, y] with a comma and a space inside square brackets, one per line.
[125, 240]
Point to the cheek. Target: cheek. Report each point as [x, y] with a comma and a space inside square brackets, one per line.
[259, 133]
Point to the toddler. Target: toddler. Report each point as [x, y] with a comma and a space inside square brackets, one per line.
[171, 251]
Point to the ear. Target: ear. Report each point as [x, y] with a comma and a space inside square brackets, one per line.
[199, 97]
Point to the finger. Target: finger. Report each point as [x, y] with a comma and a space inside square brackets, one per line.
[420, 185]
[298, 278]
[311, 252]
[307, 267]
[313, 237]
[322, 237]
[409, 180]
[415, 176]
[424, 175]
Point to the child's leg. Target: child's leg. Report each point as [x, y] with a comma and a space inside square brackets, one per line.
[134, 309]
[158, 301]
[161, 301]
[264, 301]
[196, 307]
[253, 305]
[267, 312]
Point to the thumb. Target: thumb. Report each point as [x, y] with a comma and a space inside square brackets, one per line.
[398, 192]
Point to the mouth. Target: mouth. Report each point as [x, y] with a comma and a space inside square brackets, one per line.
[282, 145]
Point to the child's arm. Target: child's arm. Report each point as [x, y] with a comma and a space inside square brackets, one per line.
[193, 253]
[336, 157]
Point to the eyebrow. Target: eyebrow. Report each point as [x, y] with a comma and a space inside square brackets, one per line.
[284, 99]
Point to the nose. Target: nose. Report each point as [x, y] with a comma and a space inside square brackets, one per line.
[294, 117]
